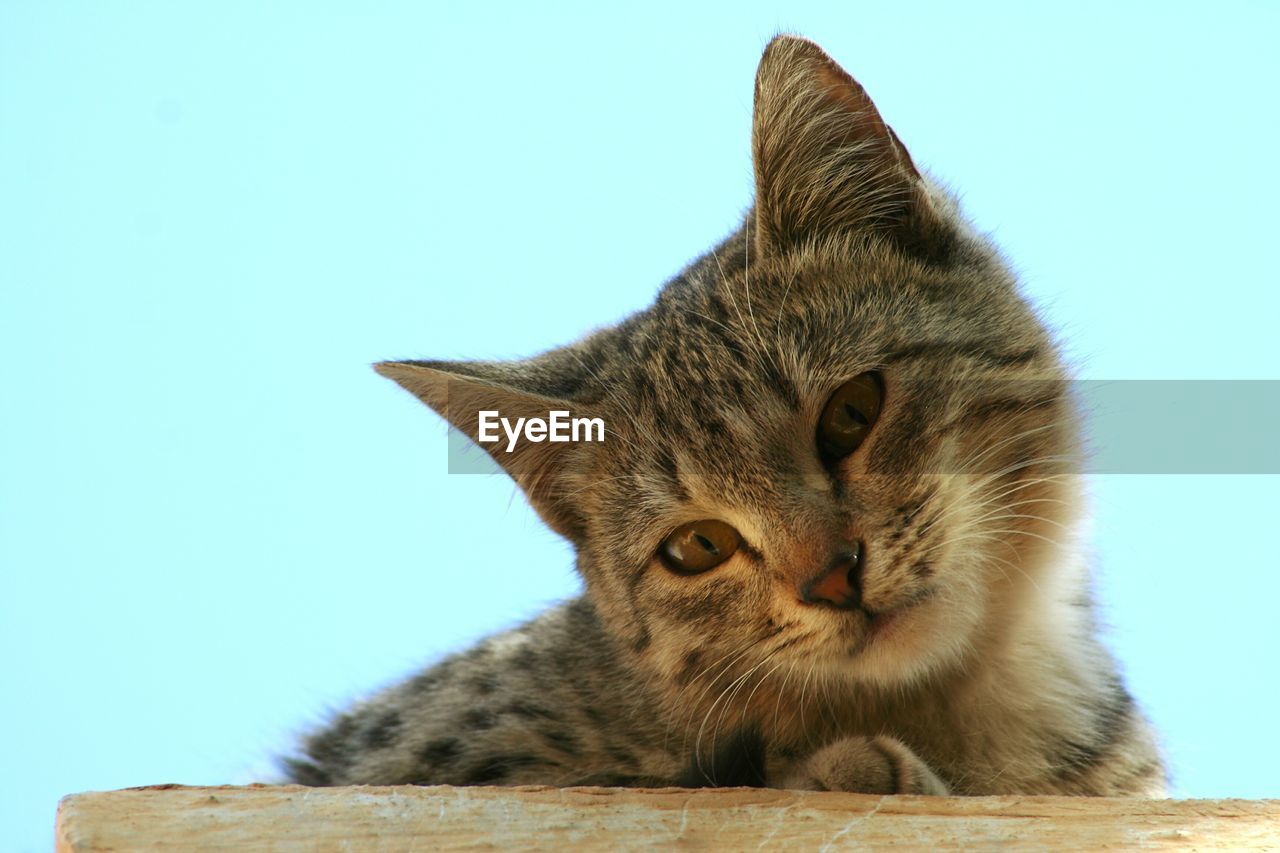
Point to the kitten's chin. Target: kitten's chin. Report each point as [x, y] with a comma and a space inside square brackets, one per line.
[894, 647]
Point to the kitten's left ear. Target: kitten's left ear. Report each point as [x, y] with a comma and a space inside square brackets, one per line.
[825, 161]
[550, 473]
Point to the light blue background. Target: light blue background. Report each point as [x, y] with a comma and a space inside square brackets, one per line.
[216, 523]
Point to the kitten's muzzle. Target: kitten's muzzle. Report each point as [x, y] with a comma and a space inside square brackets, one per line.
[840, 583]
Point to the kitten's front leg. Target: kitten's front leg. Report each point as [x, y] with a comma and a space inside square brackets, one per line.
[877, 765]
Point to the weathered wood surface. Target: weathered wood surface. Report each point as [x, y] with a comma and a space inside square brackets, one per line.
[289, 818]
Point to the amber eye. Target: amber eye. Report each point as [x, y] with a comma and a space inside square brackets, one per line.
[847, 418]
[700, 545]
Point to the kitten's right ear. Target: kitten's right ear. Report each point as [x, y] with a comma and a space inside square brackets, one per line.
[550, 473]
[825, 161]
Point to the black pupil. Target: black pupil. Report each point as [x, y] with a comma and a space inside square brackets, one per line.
[855, 415]
[708, 544]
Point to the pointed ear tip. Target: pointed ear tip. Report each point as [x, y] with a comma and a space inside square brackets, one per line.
[793, 43]
[787, 54]
[782, 38]
[396, 370]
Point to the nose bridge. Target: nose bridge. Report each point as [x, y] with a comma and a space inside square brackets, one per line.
[823, 560]
[815, 529]
[810, 555]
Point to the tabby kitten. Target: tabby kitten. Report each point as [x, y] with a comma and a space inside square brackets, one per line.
[830, 536]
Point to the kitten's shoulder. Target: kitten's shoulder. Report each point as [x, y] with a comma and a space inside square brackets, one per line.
[534, 703]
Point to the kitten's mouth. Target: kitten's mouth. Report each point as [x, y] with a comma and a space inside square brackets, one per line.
[880, 625]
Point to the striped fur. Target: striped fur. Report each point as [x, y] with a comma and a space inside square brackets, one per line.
[989, 678]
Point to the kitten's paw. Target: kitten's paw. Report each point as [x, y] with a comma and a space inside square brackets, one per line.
[879, 765]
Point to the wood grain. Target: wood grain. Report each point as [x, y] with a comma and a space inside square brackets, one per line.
[287, 818]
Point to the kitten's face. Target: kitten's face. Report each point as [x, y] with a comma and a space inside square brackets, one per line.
[949, 503]
[879, 561]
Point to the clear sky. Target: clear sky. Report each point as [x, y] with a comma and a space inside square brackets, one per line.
[217, 524]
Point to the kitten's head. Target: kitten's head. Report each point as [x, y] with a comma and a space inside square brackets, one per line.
[837, 443]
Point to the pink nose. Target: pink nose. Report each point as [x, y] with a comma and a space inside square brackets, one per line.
[838, 585]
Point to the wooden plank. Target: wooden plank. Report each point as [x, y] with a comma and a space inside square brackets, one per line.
[287, 818]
